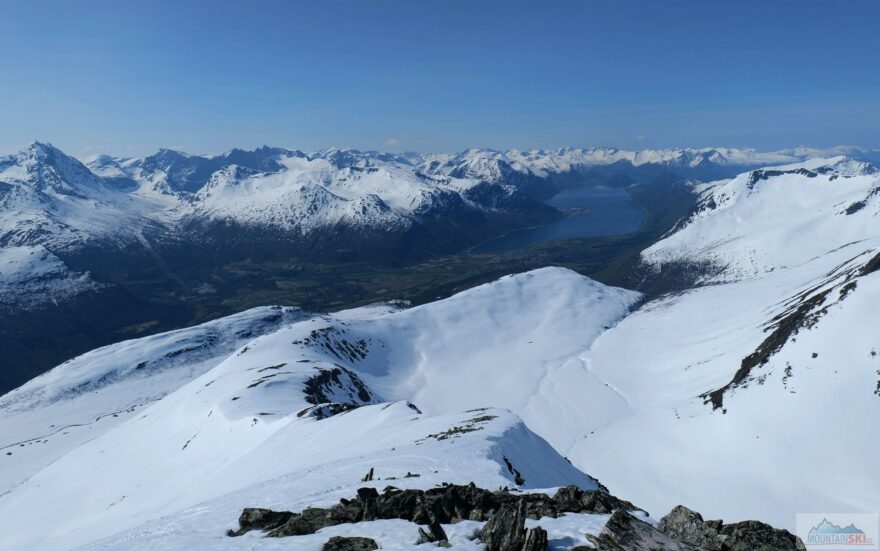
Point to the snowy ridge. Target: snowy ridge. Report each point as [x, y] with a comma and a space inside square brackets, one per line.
[729, 378]
[158, 415]
[48, 198]
[772, 219]
[31, 277]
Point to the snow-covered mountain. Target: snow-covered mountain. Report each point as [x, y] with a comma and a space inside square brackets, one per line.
[33, 276]
[49, 198]
[751, 394]
[740, 383]
[172, 435]
[773, 219]
[152, 438]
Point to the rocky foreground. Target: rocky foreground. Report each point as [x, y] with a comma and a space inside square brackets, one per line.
[505, 512]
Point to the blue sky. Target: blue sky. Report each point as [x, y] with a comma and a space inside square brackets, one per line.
[130, 77]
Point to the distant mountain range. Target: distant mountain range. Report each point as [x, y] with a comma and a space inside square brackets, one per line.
[169, 229]
[712, 395]
[48, 198]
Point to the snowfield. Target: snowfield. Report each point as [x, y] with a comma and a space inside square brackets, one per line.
[751, 396]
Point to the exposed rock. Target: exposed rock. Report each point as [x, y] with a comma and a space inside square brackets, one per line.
[341, 543]
[259, 519]
[308, 522]
[505, 513]
[506, 530]
[572, 499]
[624, 532]
[435, 534]
[803, 315]
[751, 535]
[688, 527]
[536, 540]
[441, 505]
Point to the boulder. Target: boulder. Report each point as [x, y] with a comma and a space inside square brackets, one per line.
[434, 534]
[687, 526]
[341, 543]
[624, 532]
[536, 540]
[572, 499]
[751, 535]
[505, 531]
[253, 518]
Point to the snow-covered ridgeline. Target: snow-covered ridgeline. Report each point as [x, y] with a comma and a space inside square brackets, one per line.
[776, 218]
[177, 420]
[47, 197]
[32, 276]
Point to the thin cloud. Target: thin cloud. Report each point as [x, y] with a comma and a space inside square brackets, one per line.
[392, 141]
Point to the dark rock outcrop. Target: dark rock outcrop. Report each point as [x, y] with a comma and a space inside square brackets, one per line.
[259, 519]
[688, 527]
[752, 535]
[624, 532]
[536, 540]
[506, 530]
[340, 543]
[434, 534]
[572, 499]
[440, 505]
[505, 513]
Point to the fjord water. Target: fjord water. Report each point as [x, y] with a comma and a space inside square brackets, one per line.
[591, 211]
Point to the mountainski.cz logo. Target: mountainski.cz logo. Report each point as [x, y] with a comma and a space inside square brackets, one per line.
[838, 531]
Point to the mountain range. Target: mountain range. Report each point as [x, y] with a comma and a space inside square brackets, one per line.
[747, 391]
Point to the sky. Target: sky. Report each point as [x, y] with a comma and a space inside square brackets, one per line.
[127, 78]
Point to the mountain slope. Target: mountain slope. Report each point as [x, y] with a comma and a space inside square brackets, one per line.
[773, 219]
[31, 277]
[171, 421]
[741, 384]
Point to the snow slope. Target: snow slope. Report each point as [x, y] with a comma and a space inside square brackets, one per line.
[772, 219]
[176, 422]
[796, 434]
[764, 386]
[32, 276]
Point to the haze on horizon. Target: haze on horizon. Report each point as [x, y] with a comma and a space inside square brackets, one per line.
[130, 78]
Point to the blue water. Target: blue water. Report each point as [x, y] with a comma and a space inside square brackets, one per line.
[592, 211]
